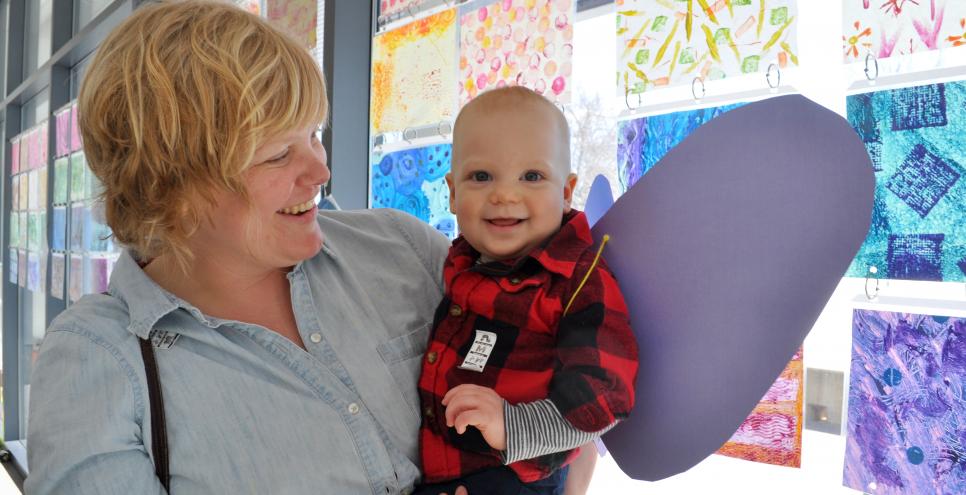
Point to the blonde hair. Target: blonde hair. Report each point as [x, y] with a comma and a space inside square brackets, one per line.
[514, 99]
[173, 106]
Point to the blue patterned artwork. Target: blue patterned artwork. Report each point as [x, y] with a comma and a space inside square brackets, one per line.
[414, 181]
[916, 138]
[907, 404]
[642, 142]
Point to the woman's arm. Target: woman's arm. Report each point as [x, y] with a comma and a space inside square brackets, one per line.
[86, 408]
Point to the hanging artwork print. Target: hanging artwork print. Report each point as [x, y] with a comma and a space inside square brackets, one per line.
[414, 181]
[669, 43]
[642, 142]
[389, 9]
[906, 413]
[518, 42]
[297, 18]
[772, 433]
[414, 74]
[889, 28]
[917, 140]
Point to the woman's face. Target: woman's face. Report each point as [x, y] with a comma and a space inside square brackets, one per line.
[279, 228]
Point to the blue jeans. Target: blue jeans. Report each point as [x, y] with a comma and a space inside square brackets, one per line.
[499, 481]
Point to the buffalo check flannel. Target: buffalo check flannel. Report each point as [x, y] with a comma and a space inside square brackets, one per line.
[508, 318]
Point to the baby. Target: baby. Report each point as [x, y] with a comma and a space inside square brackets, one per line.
[531, 353]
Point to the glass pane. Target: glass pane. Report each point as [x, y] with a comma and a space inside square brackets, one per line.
[35, 110]
[4, 12]
[37, 35]
[85, 10]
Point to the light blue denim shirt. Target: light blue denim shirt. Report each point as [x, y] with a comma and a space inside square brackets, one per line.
[247, 410]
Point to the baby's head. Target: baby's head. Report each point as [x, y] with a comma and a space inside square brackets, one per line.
[510, 183]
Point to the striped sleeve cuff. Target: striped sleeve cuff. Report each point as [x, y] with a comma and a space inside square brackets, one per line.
[534, 429]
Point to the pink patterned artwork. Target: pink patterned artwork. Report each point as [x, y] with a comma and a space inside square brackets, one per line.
[772, 433]
[518, 42]
[390, 8]
[75, 137]
[62, 128]
[76, 280]
[15, 155]
[298, 18]
[251, 6]
[887, 28]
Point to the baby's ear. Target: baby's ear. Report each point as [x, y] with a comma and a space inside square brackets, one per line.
[568, 191]
[452, 192]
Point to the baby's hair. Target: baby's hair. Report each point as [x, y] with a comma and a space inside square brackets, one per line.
[516, 99]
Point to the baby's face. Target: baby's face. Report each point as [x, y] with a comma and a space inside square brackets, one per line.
[509, 186]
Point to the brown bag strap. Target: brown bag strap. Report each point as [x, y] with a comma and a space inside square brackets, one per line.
[159, 435]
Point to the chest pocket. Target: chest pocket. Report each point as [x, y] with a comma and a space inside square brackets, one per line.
[514, 284]
[403, 356]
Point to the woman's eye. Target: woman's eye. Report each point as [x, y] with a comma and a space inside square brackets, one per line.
[278, 158]
[532, 176]
[481, 176]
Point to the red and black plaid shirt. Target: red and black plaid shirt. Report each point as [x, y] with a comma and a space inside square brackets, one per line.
[585, 362]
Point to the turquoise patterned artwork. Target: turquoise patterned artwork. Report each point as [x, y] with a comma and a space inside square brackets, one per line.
[414, 181]
[642, 142]
[916, 138]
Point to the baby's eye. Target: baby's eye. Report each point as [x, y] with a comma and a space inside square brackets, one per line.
[532, 176]
[480, 176]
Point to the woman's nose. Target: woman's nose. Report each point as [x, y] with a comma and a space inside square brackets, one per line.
[319, 170]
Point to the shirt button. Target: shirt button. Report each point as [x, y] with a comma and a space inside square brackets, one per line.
[431, 357]
[354, 408]
[429, 412]
[515, 281]
[315, 338]
[455, 310]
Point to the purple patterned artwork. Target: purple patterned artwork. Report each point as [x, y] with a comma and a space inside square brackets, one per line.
[907, 412]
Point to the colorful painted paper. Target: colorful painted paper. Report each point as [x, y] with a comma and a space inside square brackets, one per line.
[389, 9]
[33, 272]
[98, 236]
[78, 176]
[33, 190]
[75, 138]
[62, 129]
[13, 276]
[23, 229]
[518, 42]
[58, 271]
[414, 74]
[641, 143]
[917, 140]
[298, 18]
[35, 226]
[251, 6]
[22, 268]
[58, 236]
[42, 187]
[24, 195]
[414, 181]
[891, 28]
[669, 43]
[61, 180]
[78, 223]
[772, 433]
[75, 278]
[98, 273]
[14, 223]
[907, 416]
[15, 155]
[15, 193]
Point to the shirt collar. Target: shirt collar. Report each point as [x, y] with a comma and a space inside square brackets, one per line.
[558, 254]
[146, 301]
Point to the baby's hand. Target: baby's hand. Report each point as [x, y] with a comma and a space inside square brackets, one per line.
[473, 405]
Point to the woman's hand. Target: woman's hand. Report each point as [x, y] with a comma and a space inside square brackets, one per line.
[459, 491]
[473, 405]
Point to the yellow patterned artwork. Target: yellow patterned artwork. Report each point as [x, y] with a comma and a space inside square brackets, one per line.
[671, 42]
[414, 77]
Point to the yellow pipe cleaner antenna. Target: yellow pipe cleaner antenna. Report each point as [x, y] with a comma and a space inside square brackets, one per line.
[603, 242]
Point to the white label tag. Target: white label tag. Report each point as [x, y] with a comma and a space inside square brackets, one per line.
[479, 352]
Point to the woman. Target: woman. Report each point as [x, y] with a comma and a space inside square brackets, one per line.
[288, 343]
